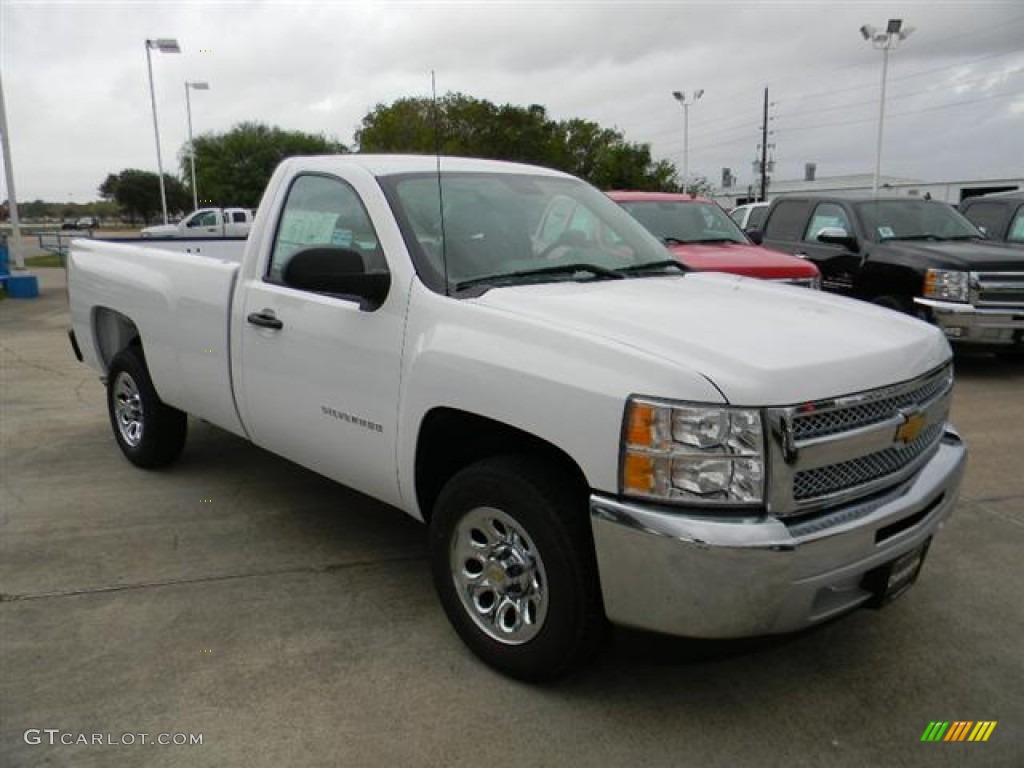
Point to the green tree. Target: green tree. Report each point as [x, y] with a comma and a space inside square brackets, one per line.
[137, 194]
[233, 168]
[462, 125]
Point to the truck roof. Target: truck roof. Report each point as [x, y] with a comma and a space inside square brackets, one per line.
[388, 165]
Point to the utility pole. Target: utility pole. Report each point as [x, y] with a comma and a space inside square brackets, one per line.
[764, 149]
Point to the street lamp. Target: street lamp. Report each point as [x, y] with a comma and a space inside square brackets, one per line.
[685, 100]
[894, 34]
[164, 45]
[197, 86]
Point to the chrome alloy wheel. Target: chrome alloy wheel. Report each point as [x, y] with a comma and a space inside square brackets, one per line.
[128, 409]
[499, 576]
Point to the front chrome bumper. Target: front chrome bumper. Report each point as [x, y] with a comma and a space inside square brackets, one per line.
[967, 324]
[702, 576]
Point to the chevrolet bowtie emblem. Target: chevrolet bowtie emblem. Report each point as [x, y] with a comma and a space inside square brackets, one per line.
[912, 426]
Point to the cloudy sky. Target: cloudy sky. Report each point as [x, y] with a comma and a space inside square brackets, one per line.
[74, 77]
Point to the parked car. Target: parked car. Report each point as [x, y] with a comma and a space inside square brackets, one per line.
[1000, 216]
[206, 223]
[750, 216]
[69, 224]
[916, 256]
[703, 237]
[591, 431]
[87, 222]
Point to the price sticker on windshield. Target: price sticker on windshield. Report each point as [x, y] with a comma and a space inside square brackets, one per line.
[886, 232]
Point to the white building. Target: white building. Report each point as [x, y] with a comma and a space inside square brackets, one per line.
[858, 185]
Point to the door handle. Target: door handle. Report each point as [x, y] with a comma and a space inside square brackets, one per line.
[265, 319]
[801, 254]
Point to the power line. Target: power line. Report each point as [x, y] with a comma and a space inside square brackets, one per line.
[935, 108]
[720, 97]
[956, 65]
[894, 96]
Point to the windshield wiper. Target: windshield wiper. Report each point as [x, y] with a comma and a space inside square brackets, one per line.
[717, 240]
[673, 241]
[653, 266]
[561, 269]
[916, 237]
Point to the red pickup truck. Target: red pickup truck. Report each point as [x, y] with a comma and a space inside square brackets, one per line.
[702, 236]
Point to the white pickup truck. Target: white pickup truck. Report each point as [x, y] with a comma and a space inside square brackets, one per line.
[206, 223]
[592, 432]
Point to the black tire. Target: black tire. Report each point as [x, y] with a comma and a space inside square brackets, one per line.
[149, 433]
[560, 625]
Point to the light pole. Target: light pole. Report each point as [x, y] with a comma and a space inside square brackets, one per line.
[198, 86]
[685, 100]
[164, 45]
[894, 34]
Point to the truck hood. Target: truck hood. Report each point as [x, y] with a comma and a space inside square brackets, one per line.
[955, 254]
[742, 259]
[759, 343]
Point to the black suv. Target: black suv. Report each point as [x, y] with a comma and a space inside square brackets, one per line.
[916, 256]
[1000, 217]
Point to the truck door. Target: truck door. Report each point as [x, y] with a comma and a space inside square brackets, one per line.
[319, 377]
[839, 264]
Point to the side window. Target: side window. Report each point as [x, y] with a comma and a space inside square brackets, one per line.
[737, 215]
[238, 217]
[204, 219]
[756, 220]
[323, 211]
[786, 221]
[991, 216]
[1016, 233]
[827, 216]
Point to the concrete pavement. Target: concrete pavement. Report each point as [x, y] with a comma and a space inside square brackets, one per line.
[292, 622]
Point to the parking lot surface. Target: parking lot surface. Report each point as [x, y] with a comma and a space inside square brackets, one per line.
[289, 621]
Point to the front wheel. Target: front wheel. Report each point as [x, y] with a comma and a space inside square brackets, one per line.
[513, 564]
[150, 433]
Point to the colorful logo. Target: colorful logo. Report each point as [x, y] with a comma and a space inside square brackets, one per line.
[959, 730]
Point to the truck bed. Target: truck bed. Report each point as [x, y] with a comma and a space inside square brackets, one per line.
[179, 302]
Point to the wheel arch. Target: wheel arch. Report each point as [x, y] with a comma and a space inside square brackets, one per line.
[113, 332]
[450, 439]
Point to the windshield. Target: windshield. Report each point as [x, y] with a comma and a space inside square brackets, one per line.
[685, 222]
[914, 220]
[514, 228]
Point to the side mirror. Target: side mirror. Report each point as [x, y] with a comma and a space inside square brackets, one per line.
[756, 236]
[838, 236]
[339, 272]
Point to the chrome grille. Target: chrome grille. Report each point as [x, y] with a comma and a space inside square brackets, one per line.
[997, 289]
[826, 480]
[830, 453]
[871, 408]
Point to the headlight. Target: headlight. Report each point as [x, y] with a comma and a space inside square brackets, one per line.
[946, 284]
[696, 454]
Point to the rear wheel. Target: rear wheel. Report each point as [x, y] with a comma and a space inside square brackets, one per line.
[513, 564]
[150, 433]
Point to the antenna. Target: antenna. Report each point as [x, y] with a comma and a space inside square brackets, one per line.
[440, 191]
